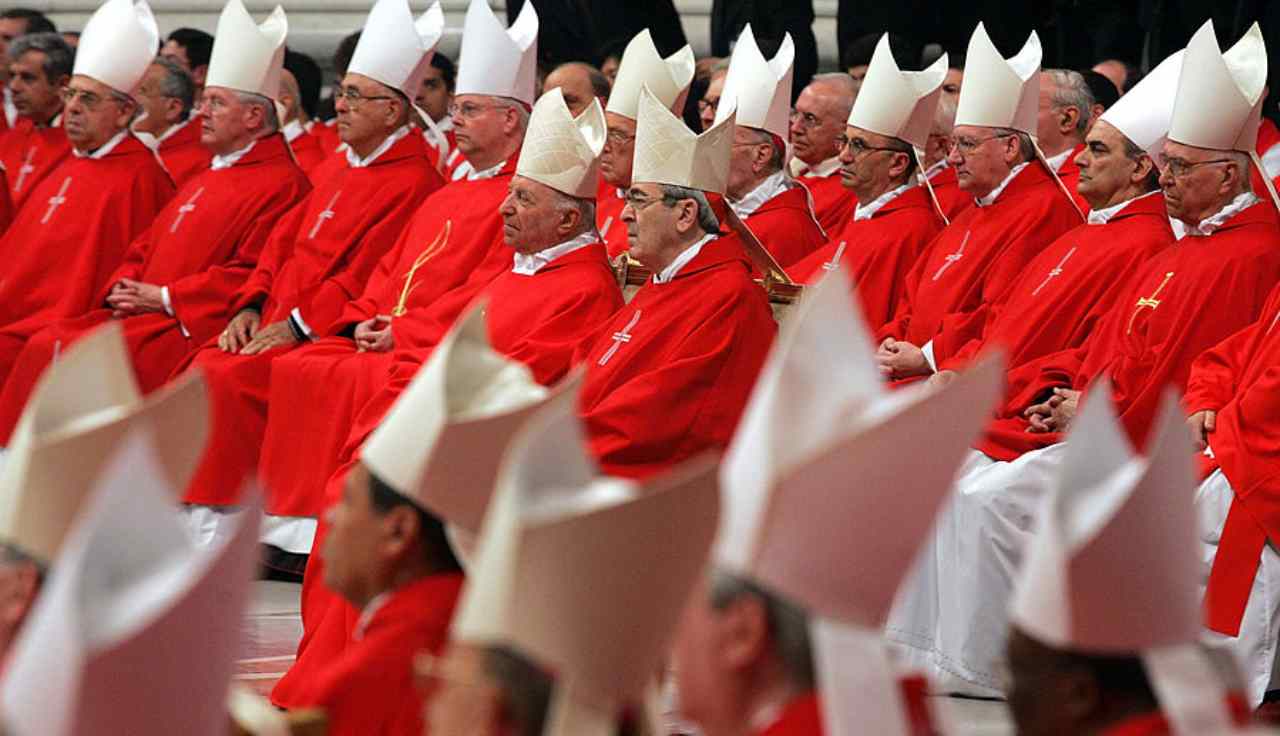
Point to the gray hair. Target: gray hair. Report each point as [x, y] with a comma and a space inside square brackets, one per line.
[59, 57]
[586, 209]
[177, 83]
[788, 625]
[845, 87]
[1070, 90]
[511, 103]
[1026, 146]
[707, 219]
[778, 159]
[271, 121]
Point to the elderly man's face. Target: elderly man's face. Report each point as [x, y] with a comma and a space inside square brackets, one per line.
[1106, 173]
[1196, 181]
[532, 216]
[869, 162]
[751, 150]
[619, 150]
[574, 83]
[92, 113]
[817, 123]
[652, 224]
[155, 106]
[711, 100]
[980, 158]
[434, 96]
[35, 95]
[363, 125]
[479, 122]
[223, 123]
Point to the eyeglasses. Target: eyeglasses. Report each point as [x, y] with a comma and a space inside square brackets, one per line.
[967, 146]
[618, 138]
[805, 119]
[860, 147]
[90, 100]
[708, 104]
[1179, 168]
[354, 98]
[639, 201]
[468, 110]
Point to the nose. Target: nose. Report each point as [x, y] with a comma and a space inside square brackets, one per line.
[628, 213]
[340, 104]
[846, 154]
[795, 128]
[1166, 179]
[953, 155]
[508, 206]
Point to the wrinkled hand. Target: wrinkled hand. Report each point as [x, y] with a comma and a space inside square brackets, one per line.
[941, 378]
[374, 335]
[1054, 415]
[900, 359]
[274, 335]
[130, 297]
[1202, 424]
[240, 330]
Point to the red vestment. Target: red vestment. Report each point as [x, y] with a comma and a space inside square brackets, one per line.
[980, 254]
[201, 247]
[1064, 293]
[613, 231]
[877, 252]
[433, 150]
[785, 226]
[951, 198]
[182, 154]
[58, 256]
[1239, 378]
[833, 205]
[317, 258]
[689, 349]
[1069, 173]
[326, 133]
[801, 717]
[369, 689]
[28, 153]
[6, 204]
[309, 152]
[1182, 302]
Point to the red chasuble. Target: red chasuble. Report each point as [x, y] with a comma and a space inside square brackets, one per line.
[201, 246]
[786, 228]
[877, 252]
[433, 150]
[669, 375]
[326, 133]
[980, 254]
[801, 717]
[58, 256]
[369, 689]
[183, 155]
[1069, 173]
[29, 153]
[613, 231]
[1064, 293]
[833, 205]
[326, 397]
[318, 257]
[308, 151]
[1238, 378]
[951, 198]
[6, 204]
[1182, 302]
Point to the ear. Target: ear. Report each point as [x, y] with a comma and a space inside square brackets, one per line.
[900, 163]
[764, 152]
[745, 633]
[172, 109]
[511, 122]
[127, 111]
[570, 219]
[401, 531]
[1233, 176]
[1142, 168]
[1070, 118]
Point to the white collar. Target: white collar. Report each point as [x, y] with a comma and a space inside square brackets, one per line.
[1056, 162]
[527, 264]
[10, 109]
[366, 616]
[936, 169]
[773, 185]
[990, 197]
[153, 142]
[225, 162]
[356, 162]
[1209, 225]
[443, 125]
[466, 171]
[292, 130]
[865, 211]
[105, 148]
[826, 168]
[681, 260]
[1104, 215]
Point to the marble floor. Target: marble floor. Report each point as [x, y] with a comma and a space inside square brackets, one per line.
[273, 627]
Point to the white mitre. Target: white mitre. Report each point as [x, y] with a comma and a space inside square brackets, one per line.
[759, 89]
[248, 57]
[497, 61]
[1144, 113]
[561, 151]
[999, 92]
[667, 152]
[641, 67]
[396, 50]
[118, 44]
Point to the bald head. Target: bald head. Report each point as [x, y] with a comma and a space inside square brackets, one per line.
[579, 83]
[290, 98]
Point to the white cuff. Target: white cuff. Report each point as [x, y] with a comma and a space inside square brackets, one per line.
[928, 356]
[164, 297]
[302, 324]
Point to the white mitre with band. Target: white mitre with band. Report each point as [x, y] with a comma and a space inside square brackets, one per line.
[667, 152]
[118, 44]
[248, 57]
[396, 50]
[497, 61]
[641, 66]
[900, 104]
[562, 151]
[759, 89]
[441, 442]
[1144, 113]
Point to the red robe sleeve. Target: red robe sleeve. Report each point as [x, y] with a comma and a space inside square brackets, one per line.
[275, 253]
[134, 259]
[897, 327]
[1216, 373]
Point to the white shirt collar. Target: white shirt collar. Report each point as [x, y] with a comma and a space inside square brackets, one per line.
[366, 616]
[356, 162]
[1056, 162]
[1104, 215]
[527, 264]
[292, 130]
[773, 185]
[672, 270]
[936, 169]
[444, 126]
[865, 211]
[466, 171]
[1209, 225]
[105, 148]
[225, 162]
[825, 168]
[994, 193]
[10, 109]
[153, 142]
